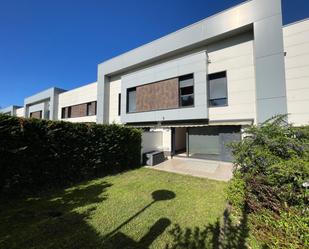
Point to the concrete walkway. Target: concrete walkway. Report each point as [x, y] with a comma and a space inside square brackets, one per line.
[216, 170]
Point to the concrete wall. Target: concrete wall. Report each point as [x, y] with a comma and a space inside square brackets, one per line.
[114, 90]
[84, 94]
[157, 139]
[152, 141]
[296, 46]
[236, 58]
[166, 139]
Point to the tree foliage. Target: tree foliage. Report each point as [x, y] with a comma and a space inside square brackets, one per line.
[272, 164]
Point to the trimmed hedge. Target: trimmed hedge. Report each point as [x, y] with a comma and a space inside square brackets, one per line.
[36, 154]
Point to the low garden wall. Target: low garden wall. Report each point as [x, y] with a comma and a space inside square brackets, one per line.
[38, 154]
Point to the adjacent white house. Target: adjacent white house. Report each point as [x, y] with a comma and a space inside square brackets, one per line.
[79, 104]
[194, 90]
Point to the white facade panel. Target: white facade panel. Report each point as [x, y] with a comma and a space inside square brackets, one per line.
[295, 28]
[20, 112]
[86, 119]
[296, 46]
[238, 62]
[152, 141]
[115, 90]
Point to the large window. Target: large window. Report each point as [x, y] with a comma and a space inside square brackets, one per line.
[37, 114]
[81, 110]
[186, 90]
[131, 100]
[217, 89]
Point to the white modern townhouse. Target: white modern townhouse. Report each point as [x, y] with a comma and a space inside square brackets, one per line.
[194, 90]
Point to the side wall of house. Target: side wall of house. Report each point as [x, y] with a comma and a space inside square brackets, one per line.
[81, 95]
[20, 112]
[115, 90]
[296, 46]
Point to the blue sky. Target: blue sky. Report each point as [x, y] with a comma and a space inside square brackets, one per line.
[60, 42]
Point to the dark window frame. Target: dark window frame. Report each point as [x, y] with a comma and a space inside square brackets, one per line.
[69, 111]
[132, 89]
[66, 112]
[119, 104]
[180, 96]
[63, 112]
[209, 100]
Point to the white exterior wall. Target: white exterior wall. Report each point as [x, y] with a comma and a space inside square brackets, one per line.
[238, 62]
[167, 139]
[157, 139]
[78, 96]
[151, 140]
[115, 89]
[20, 112]
[296, 46]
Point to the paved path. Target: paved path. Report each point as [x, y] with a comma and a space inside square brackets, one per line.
[216, 170]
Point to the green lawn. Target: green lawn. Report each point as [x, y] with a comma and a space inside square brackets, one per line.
[136, 209]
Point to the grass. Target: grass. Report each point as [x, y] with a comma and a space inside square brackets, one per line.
[136, 209]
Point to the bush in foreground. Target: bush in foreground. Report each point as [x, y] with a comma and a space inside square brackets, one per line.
[272, 165]
[36, 155]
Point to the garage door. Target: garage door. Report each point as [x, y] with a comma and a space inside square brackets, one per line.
[211, 142]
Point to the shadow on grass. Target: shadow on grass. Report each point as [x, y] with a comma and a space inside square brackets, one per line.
[60, 221]
[116, 239]
[225, 235]
[53, 222]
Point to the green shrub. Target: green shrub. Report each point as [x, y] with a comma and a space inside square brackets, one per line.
[273, 161]
[236, 192]
[272, 165]
[39, 154]
[285, 230]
